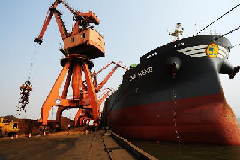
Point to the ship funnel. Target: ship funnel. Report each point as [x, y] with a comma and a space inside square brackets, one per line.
[173, 65]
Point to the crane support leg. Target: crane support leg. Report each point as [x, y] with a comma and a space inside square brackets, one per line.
[77, 80]
[79, 113]
[53, 95]
[67, 83]
[93, 101]
[84, 95]
[81, 121]
[59, 113]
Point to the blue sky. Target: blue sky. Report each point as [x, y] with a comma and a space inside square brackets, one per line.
[130, 28]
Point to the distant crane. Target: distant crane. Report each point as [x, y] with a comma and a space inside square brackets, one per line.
[81, 113]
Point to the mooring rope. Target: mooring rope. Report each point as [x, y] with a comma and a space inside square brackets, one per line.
[218, 18]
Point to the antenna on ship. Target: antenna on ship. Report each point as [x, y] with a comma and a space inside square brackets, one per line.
[195, 25]
[178, 31]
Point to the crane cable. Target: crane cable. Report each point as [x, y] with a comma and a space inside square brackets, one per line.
[45, 56]
[218, 18]
[32, 62]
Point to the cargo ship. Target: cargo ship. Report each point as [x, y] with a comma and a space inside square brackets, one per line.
[174, 94]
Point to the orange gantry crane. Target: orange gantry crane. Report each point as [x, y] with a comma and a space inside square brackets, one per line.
[81, 45]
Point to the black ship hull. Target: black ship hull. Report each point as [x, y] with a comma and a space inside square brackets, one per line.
[175, 94]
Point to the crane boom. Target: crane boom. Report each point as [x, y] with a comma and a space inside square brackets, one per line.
[107, 78]
[83, 39]
[68, 7]
[83, 18]
[120, 64]
[61, 25]
[44, 28]
[52, 10]
[90, 17]
[104, 96]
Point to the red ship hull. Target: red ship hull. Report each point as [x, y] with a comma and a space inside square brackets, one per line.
[205, 119]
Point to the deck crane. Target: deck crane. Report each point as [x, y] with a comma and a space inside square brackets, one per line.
[81, 45]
